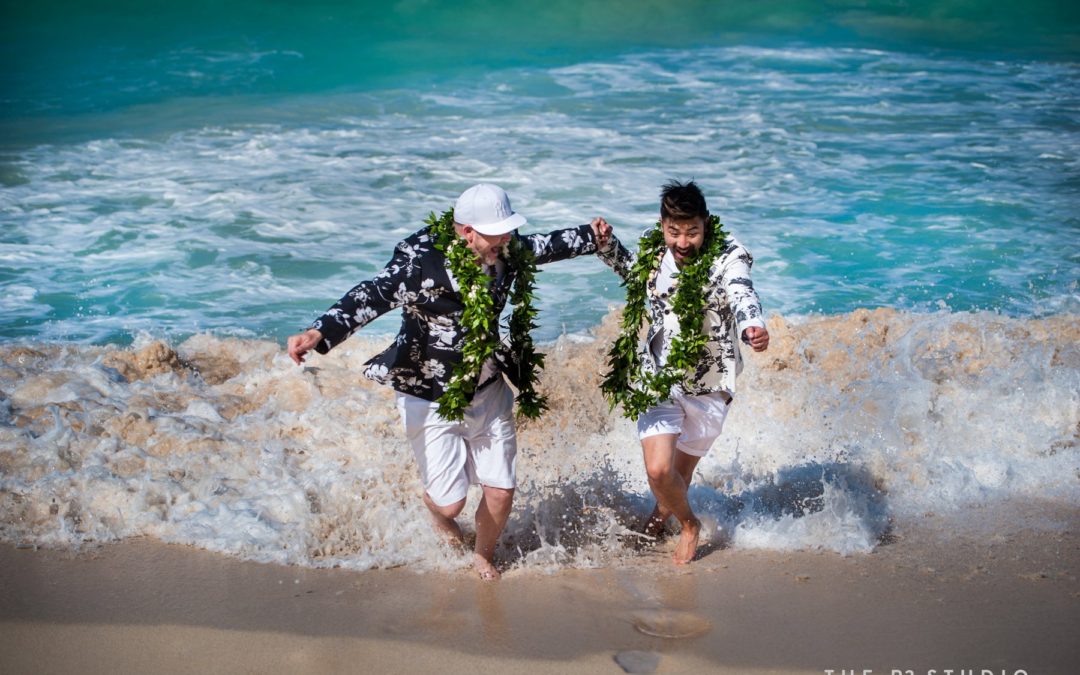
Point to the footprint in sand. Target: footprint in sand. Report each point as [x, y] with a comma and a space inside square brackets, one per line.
[669, 623]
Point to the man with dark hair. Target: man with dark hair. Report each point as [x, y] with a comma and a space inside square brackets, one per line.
[457, 410]
[680, 382]
[681, 202]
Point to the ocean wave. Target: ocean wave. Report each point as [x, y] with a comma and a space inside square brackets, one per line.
[847, 430]
[857, 178]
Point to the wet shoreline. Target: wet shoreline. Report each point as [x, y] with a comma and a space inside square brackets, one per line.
[929, 600]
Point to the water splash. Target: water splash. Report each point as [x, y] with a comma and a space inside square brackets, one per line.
[846, 429]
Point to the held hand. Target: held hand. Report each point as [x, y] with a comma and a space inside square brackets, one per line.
[602, 232]
[302, 343]
[758, 338]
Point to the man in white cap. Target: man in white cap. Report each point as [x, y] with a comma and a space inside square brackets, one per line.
[434, 360]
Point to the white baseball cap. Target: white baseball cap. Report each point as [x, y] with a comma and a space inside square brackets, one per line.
[486, 208]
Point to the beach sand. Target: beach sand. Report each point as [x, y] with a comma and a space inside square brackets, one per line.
[929, 599]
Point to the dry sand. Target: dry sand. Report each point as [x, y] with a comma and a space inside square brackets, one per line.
[1004, 602]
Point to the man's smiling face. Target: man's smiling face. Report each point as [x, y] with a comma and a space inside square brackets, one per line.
[486, 246]
[684, 237]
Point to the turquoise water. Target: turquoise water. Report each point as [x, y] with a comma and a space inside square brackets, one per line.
[235, 167]
[66, 57]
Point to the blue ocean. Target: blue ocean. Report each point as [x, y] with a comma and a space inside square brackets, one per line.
[184, 185]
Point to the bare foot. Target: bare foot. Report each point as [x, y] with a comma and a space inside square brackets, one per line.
[688, 541]
[485, 568]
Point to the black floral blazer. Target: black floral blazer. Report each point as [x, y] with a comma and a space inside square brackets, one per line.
[422, 357]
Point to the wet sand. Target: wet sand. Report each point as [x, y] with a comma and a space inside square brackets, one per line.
[929, 599]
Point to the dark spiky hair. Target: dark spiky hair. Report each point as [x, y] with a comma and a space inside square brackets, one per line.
[682, 201]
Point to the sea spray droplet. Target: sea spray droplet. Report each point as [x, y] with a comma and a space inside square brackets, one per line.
[669, 623]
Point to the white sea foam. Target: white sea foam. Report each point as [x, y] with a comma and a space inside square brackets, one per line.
[867, 149]
[848, 429]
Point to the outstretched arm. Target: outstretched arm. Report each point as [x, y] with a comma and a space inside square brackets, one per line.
[596, 237]
[361, 305]
[735, 277]
[561, 244]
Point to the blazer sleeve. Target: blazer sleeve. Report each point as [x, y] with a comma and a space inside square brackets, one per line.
[389, 289]
[735, 278]
[617, 257]
[561, 244]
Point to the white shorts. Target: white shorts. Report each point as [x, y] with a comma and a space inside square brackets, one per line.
[697, 420]
[480, 449]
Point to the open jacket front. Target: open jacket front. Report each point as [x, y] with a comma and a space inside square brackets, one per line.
[428, 347]
[731, 307]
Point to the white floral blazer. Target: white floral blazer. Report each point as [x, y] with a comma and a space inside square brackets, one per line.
[731, 307]
[417, 279]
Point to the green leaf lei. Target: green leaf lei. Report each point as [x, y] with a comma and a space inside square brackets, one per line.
[627, 382]
[481, 322]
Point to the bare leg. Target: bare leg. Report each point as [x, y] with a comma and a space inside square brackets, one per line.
[669, 487]
[491, 516]
[442, 517]
[685, 465]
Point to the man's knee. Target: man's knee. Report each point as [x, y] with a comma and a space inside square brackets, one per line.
[448, 511]
[658, 471]
[498, 497]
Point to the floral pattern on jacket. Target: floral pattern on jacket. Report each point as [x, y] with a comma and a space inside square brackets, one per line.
[417, 279]
[731, 307]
